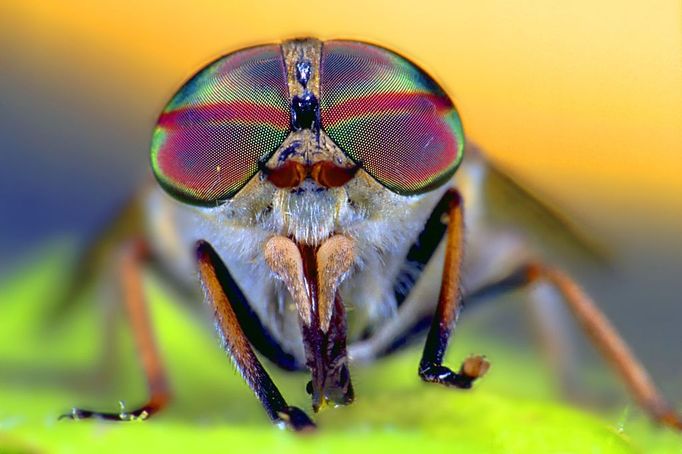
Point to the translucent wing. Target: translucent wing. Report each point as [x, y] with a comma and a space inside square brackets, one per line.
[507, 204]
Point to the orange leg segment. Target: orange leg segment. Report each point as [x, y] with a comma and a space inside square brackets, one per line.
[133, 255]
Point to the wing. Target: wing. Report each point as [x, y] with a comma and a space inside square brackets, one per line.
[92, 257]
[507, 204]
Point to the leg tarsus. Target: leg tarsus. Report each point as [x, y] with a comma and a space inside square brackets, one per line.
[472, 369]
[670, 418]
[139, 414]
[143, 412]
[296, 419]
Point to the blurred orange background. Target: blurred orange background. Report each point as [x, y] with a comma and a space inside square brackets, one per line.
[581, 100]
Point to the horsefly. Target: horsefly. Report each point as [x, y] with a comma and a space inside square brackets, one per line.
[306, 178]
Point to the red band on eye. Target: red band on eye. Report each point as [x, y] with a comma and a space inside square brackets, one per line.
[384, 102]
[212, 134]
[221, 112]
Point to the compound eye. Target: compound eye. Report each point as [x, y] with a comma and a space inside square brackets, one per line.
[386, 113]
[210, 137]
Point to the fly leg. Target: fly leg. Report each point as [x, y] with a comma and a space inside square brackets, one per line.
[134, 253]
[237, 344]
[431, 368]
[92, 258]
[593, 322]
[599, 330]
[607, 340]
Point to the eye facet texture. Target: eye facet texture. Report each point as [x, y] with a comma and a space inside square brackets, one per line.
[211, 135]
[386, 113]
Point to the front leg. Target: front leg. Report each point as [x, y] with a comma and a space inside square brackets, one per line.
[237, 344]
[431, 367]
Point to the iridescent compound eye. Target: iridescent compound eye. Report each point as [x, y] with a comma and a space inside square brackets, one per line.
[386, 113]
[210, 137]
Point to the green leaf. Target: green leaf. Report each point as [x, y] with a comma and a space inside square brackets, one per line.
[47, 368]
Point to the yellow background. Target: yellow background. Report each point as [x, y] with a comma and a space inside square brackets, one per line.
[581, 99]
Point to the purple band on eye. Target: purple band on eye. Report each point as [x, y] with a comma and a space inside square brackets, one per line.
[386, 113]
[210, 137]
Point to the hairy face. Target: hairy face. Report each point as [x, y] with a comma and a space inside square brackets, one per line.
[310, 213]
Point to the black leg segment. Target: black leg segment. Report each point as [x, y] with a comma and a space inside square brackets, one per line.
[431, 367]
[238, 346]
